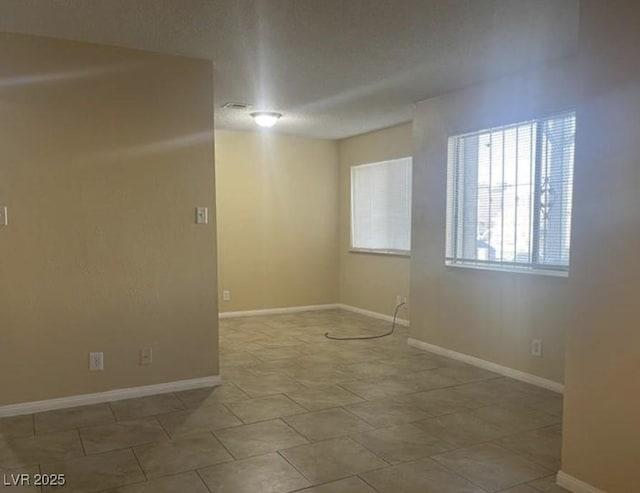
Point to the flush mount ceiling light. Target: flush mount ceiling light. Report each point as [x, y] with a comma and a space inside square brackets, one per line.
[266, 118]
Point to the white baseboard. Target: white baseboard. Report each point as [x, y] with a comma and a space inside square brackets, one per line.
[310, 308]
[278, 311]
[369, 313]
[109, 395]
[488, 365]
[574, 485]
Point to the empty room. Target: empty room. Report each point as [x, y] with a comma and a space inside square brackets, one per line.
[321, 246]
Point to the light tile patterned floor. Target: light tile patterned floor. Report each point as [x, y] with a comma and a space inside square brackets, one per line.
[299, 412]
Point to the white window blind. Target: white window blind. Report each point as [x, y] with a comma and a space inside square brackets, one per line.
[509, 196]
[381, 206]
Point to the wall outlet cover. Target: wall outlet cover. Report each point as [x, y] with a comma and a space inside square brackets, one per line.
[146, 355]
[96, 361]
[536, 347]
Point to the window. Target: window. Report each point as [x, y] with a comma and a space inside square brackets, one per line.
[381, 206]
[509, 194]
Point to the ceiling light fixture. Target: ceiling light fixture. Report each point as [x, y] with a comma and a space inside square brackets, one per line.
[266, 118]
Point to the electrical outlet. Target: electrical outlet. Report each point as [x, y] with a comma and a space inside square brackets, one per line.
[3, 216]
[146, 356]
[226, 295]
[536, 347]
[96, 361]
[401, 300]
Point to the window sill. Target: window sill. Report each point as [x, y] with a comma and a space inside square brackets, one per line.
[393, 253]
[512, 270]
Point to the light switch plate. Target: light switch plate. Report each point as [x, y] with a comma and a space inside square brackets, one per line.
[3, 216]
[202, 215]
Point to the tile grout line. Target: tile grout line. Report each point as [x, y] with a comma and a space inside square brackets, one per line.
[166, 433]
[217, 438]
[144, 473]
[469, 479]
[279, 452]
[325, 483]
[295, 431]
[228, 408]
[197, 471]
[84, 450]
[482, 442]
[388, 464]
[369, 484]
[363, 419]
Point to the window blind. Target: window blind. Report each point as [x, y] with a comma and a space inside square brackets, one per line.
[381, 206]
[509, 195]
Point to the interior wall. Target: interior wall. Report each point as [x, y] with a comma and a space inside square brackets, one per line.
[601, 440]
[104, 154]
[367, 280]
[486, 314]
[277, 220]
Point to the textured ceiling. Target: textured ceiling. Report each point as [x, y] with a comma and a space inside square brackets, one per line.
[334, 68]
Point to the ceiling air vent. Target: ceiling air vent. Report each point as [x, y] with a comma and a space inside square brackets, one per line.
[236, 106]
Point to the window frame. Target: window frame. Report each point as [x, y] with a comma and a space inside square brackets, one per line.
[375, 251]
[453, 215]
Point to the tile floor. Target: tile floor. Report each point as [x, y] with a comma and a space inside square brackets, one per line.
[298, 412]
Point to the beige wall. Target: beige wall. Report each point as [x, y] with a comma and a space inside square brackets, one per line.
[601, 443]
[104, 153]
[489, 315]
[371, 281]
[277, 220]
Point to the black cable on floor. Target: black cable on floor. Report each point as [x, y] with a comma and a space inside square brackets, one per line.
[361, 338]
